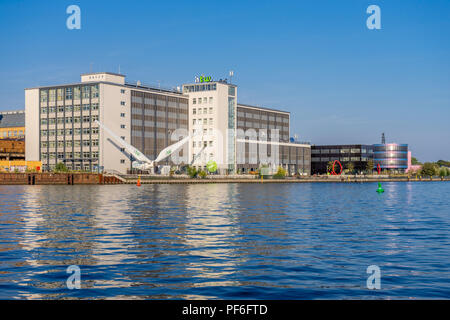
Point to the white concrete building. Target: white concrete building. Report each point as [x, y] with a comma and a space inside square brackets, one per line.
[61, 122]
[60, 126]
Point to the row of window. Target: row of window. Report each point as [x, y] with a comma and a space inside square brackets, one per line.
[202, 100]
[342, 159]
[12, 134]
[264, 117]
[202, 111]
[70, 108]
[69, 155]
[200, 87]
[68, 132]
[205, 131]
[69, 120]
[69, 143]
[200, 144]
[336, 151]
[69, 93]
[203, 121]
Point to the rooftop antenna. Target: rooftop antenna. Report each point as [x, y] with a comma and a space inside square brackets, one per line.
[119, 68]
[231, 76]
[383, 139]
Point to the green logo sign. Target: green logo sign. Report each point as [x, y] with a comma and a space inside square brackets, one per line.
[211, 166]
[205, 79]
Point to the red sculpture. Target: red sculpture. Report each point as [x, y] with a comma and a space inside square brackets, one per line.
[333, 172]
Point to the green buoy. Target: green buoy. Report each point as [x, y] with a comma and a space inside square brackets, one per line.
[380, 189]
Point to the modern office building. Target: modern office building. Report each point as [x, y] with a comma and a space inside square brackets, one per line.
[357, 154]
[60, 126]
[60, 121]
[391, 156]
[239, 138]
[262, 122]
[12, 124]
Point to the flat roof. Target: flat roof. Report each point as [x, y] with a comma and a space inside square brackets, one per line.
[110, 73]
[262, 108]
[209, 82]
[11, 119]
[341, 145]
[127, 85]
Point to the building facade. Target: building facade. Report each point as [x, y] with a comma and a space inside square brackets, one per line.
[12, 124]
[239, 138]
[60, 121]
[391, 157]
[357, 154]
[264, 134]
[61, 127]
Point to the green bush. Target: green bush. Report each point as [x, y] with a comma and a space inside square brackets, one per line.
[61, 167]
[428, 169]
[192, 172]
[281, 173]
[444, 172]
[202, 174]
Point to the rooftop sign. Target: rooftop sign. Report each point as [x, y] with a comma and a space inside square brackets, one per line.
[203, 79]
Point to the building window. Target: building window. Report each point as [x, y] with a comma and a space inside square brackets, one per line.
[210, 100]
[122, 161]
[210, 110]
[194, 101]
[95, 91]
[68, 93]
[86, 92]
[199, 100]
[76, 93]
[122, 115]
[122, 91]
[43, 96]
[122, 103]
[122, 126]
[60, 94]
[194, 111]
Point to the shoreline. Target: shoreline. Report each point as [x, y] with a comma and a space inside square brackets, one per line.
[111, 179]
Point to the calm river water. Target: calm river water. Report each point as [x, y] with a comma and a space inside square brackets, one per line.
[225, 241]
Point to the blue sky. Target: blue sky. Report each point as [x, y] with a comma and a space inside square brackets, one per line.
[342, 82]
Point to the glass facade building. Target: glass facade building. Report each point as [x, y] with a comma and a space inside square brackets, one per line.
[357, 154]
[391, 156]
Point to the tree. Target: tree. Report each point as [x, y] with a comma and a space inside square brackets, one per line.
[414, 161]
[443, 172]
[61, 167]
[330, 166]
[443, 163]
[428, 169]
[281, 173]
[369, 166]
[192, 172]
[350, 167]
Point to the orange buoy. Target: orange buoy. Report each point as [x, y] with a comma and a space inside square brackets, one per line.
[138, 182]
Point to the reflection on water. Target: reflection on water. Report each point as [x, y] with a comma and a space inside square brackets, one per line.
[225, 241]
